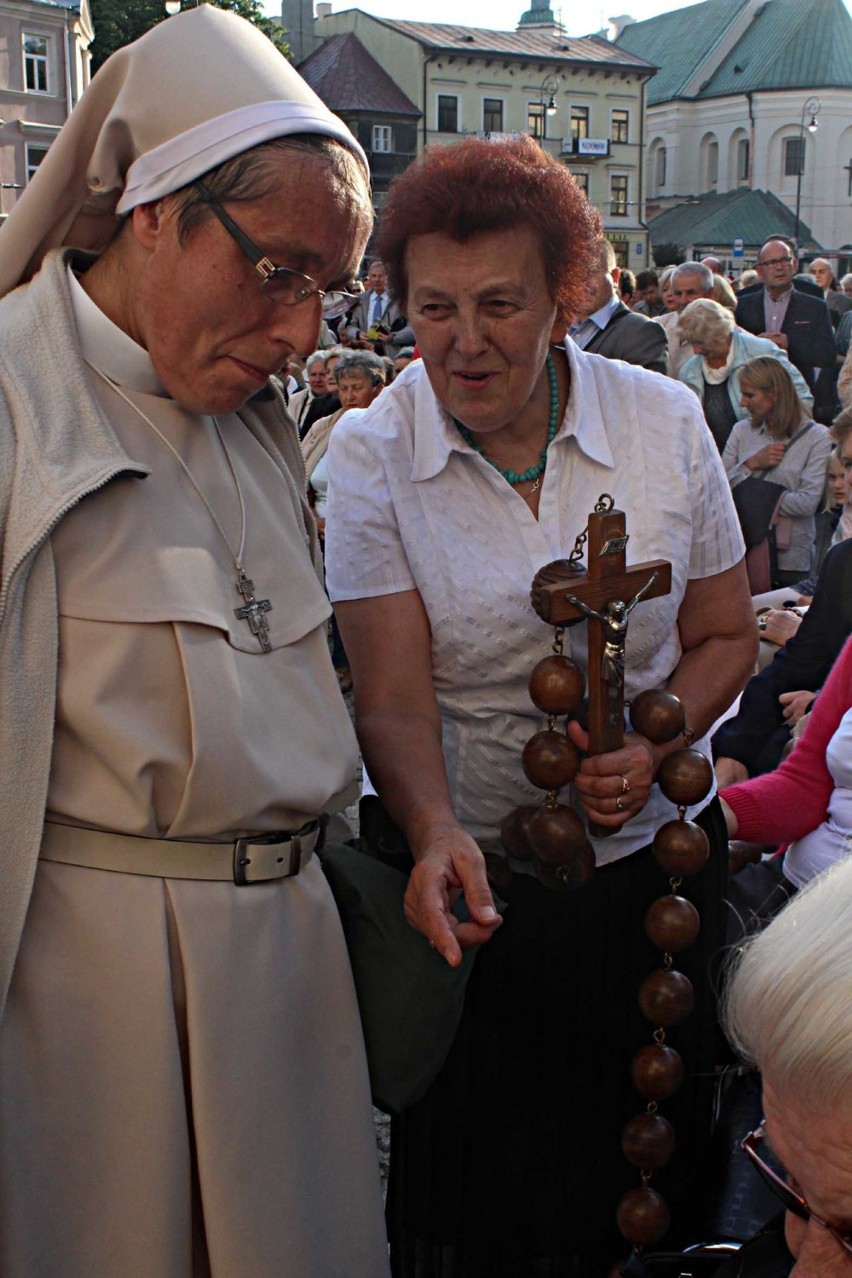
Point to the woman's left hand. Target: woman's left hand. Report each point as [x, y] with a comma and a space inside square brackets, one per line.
[614, 787]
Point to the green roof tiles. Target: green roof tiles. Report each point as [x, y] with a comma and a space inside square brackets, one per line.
[715, 220]
[788, 44]
[791, 44]
[678, 42]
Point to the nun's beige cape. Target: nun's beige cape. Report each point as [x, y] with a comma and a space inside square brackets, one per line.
[183, 1088]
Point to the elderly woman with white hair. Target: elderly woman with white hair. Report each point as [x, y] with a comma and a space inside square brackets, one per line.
[183, 1087]
[789, 1012]
[721, 349]
[360, 377]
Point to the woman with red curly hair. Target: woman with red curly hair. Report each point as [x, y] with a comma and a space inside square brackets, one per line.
[476, 468]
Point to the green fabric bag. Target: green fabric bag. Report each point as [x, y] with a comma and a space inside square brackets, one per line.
[410, 1000]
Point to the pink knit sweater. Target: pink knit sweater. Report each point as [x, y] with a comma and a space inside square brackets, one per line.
[793, 800]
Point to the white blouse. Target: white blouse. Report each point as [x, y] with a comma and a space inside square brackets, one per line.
[411, 506]
[832, 840]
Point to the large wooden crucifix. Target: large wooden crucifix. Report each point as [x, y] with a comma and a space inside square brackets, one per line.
[605, 595]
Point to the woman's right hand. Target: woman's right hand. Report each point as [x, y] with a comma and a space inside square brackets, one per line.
[770, 455]
[777, 625]
[449, 864]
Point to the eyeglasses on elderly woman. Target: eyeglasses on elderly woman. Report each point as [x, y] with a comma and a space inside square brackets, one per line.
[281, 284]
[791, 1199]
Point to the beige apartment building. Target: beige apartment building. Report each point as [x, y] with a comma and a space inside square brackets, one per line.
[582, 98]
[44, 67]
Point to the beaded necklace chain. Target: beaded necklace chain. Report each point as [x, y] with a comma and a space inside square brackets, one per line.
[534, 472]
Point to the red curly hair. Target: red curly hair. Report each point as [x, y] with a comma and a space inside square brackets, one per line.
[474, 187]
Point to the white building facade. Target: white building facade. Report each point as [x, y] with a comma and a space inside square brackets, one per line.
[733, 100]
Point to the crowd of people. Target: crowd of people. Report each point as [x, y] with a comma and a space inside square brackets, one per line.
[196, 388]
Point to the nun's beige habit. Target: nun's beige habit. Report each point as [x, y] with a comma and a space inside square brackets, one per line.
[183, 1088]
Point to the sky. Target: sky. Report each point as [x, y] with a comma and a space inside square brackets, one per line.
[579, 19]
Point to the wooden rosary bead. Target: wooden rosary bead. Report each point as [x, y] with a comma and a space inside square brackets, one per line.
[571, 875]
[666, 997]
[514, 832]
[657, 715]
[648, 1141]
[642, 1217]
[557, 685]
[672, 923]
[557, 835]
[550, 760]
[681, 848]
[657, 1071]
[685, 777]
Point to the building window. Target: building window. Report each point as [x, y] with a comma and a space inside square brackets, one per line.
[34, 157]
[712, 163]
[492, 115]
[742, 159]
[620, 125]
[621, 248]
[618, 195]
[535, 120]
[661, 166]
[35, 63]
[794, 156]
[382, 137]
[448, 113]
[582, 180]
[579, 122]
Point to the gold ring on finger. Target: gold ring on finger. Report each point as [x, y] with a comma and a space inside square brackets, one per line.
[625, 785]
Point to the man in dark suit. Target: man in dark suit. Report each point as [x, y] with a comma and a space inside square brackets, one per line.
[799, 324]
[612, 329]
[838, 303]
[375, 312]
[752, 742]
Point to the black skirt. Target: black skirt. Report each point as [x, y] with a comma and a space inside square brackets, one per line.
[511, 1165]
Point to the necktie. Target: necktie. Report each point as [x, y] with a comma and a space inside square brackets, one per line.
[377, 309]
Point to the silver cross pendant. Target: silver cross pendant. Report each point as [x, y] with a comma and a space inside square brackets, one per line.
[253, 611]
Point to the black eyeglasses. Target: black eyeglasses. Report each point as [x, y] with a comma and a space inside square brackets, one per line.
[775, 261]
[791, 1200]
[279, 283]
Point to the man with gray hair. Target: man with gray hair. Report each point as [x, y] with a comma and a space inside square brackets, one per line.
[301, 401]
[610, 328]
[689, 281]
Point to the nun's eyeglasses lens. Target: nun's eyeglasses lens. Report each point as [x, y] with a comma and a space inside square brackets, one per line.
[284, 286]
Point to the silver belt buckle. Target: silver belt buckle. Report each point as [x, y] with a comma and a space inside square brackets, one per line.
[280, 859]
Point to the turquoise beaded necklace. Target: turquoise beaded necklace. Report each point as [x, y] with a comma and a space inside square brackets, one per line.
[535, 472]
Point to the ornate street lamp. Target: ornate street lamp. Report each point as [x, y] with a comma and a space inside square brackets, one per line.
[547, 101]
[811, 108]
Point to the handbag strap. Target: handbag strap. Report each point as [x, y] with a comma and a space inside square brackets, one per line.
[798, 435]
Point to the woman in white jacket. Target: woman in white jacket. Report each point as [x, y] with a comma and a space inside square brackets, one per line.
[778, 442]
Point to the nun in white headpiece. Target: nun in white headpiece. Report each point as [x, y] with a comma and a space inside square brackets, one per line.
[183, 1088]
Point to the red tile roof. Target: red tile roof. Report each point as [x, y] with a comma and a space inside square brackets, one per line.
[348, 78]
